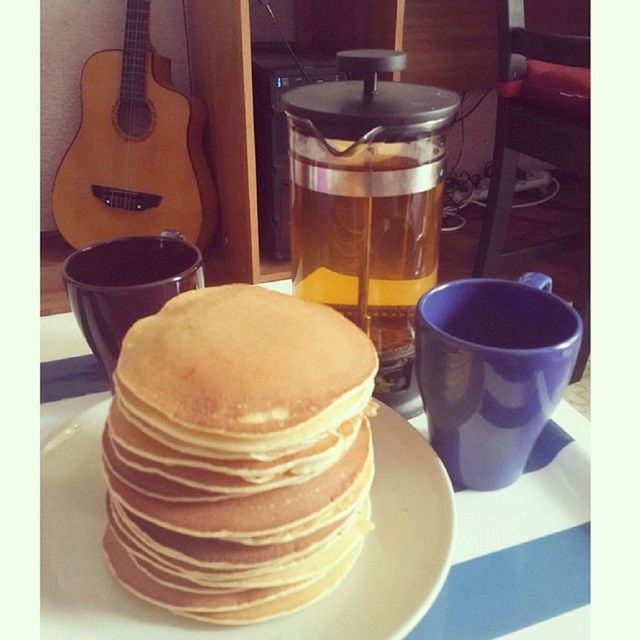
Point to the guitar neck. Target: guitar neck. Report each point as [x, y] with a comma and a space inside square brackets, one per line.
[134, 52]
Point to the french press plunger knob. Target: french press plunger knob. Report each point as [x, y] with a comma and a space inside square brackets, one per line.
[369, 63]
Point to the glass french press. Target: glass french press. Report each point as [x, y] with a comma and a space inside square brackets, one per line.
[366, 168]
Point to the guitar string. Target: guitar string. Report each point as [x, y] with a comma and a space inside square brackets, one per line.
[131, 63]
[144, 34]
[125, 97]
[145, 13]
[140, 67]
[127, 111]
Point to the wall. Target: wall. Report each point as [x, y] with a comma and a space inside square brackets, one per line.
[71, 30]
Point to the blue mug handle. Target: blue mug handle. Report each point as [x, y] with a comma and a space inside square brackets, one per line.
[536, 280]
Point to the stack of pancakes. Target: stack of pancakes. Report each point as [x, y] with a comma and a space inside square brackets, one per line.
[238, 454]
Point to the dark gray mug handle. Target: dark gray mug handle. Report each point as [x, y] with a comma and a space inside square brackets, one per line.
[536, 280]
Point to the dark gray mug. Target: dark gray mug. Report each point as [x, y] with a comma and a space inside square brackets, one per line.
[113, 283]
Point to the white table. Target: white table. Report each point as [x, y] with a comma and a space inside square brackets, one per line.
[521, 564]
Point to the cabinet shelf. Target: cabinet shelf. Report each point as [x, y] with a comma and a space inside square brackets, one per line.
[271, 270]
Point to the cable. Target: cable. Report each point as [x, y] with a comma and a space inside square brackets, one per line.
[265, 4]
[462, 97]
[524, 205]
[475, 106]
[461, 120]
[451, 225]
[451, 221]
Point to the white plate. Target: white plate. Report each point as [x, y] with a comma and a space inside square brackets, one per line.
[396, 579]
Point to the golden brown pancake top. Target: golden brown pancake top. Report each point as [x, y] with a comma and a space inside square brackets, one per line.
[242, 359]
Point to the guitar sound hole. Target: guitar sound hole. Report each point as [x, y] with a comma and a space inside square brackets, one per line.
[134, 118]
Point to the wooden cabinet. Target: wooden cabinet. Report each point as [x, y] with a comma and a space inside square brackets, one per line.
[220, 51]
[449, 43]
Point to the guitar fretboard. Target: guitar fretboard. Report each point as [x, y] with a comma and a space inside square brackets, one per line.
[136, 41]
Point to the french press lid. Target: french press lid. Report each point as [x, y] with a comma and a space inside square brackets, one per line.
[350, 108]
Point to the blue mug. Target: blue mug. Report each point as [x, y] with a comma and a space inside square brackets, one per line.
[493, 359]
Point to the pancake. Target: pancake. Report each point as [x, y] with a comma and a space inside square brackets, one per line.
[270, 512]
[152, 484]
[276, 573]
[334, 512]
[145, 453]
[128, 572]
[183, 552]
[225, 360]
[310, 567]
[245, 445]
[231, 608]
[287, 603]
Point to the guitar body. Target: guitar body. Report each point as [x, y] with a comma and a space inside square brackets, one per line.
[113, 182]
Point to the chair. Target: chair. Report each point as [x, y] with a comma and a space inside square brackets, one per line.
[543, 112]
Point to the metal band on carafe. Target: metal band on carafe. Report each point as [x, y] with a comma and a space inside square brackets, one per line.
[367, 184]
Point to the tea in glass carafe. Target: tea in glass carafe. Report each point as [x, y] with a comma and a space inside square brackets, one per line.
[366, 168]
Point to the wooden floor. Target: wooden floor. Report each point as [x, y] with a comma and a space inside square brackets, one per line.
[564, 216]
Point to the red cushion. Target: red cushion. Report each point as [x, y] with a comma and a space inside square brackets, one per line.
[557, 87]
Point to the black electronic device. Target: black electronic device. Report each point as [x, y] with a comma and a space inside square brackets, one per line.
[274, 72]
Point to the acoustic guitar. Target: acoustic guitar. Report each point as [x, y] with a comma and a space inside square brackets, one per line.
[136, 165]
